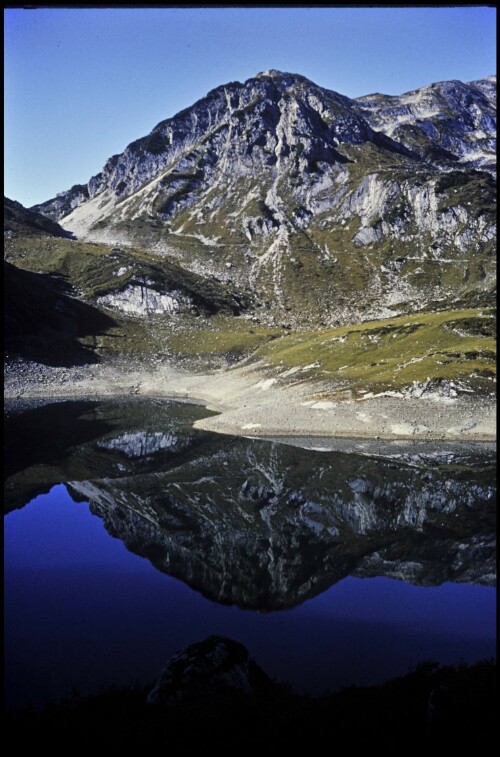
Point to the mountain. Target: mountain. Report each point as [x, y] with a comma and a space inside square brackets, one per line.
[331, 209]
[274, 221]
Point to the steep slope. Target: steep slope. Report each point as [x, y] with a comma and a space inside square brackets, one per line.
[18, 220]
[332, 210]
[43, 323]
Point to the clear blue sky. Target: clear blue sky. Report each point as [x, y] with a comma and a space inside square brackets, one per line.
[82, 83]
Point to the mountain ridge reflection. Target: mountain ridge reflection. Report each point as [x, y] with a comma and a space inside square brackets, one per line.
[261, 524]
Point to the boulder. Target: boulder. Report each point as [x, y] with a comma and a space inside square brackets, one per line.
[207, 668]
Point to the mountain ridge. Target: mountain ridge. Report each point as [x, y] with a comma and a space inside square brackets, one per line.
[276, 183]
[273, 75]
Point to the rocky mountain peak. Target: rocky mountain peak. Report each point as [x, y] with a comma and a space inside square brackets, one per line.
[271, 182]
[283, 77]
[272, 73]
[445, 120]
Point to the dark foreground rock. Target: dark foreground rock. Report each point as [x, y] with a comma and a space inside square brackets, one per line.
[215, 665]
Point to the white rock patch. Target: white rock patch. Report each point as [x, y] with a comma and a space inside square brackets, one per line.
[265, 384]
[142, 300]
[140, 443]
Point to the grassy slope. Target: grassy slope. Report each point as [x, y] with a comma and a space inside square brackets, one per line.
[97, 269]
[456, 345]
[393, 353]
[373, 356]
[90, 270]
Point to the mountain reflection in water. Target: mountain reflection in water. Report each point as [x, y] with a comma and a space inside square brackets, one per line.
[259, 524]
[262, 525]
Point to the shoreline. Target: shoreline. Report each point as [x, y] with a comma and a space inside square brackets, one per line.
[249, 403]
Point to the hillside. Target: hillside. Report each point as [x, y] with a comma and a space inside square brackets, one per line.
[345, 245]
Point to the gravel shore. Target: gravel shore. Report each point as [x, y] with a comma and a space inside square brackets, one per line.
[250, 403]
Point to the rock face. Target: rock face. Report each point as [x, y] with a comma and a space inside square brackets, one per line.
[144, 299]
[447, 120]
[65, 202]
[308, 196]
[213, 666]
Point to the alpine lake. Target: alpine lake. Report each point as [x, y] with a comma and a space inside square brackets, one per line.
[129, 535]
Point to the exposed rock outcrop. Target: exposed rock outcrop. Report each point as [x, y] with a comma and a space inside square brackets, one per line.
[211, 667]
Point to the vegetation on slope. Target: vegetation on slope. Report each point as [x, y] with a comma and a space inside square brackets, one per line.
[376, 356]
[389, 354]
[93, 270]
[394, 353]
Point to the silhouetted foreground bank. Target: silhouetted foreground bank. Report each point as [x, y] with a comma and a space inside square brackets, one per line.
[432, 707]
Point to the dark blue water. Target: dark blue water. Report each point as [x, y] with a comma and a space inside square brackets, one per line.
[82, 612]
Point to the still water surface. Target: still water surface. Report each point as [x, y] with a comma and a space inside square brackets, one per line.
[129, 535]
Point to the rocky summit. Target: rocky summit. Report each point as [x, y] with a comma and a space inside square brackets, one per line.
[328, 239]
[329, 209]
